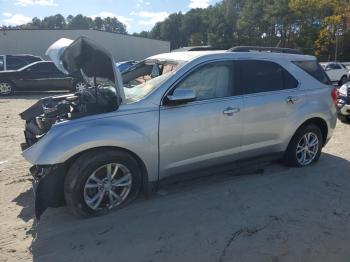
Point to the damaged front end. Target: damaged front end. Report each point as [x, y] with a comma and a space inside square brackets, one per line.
[48, 186]
[98, 69]
[49, 111]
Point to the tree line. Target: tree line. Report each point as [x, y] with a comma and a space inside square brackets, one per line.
[108, 24]
[317, 27]
[314, 26]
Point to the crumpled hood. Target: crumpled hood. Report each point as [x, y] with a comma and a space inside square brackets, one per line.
[93, 61]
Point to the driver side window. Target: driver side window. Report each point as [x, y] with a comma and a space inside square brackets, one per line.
[210, 81]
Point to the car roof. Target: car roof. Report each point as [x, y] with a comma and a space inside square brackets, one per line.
[37, 62]
[22, 55]
[188, 56]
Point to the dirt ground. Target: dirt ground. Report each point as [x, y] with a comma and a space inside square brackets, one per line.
[276, 214]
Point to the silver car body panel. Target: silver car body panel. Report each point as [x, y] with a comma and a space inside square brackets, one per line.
[172, 139]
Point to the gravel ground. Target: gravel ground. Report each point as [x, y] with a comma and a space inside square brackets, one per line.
[266, 212]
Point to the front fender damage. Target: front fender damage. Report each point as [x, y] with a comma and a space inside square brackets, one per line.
[48, 187]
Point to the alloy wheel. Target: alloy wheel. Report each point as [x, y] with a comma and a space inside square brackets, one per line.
[80, 86]
[107, 187]
[5, 88]
[307, 148]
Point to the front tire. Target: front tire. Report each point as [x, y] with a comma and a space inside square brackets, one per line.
[6, 88]
[305, 147]
[79, 86]
[101, 181]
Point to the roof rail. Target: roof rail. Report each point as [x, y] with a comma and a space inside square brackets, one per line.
[264, 49]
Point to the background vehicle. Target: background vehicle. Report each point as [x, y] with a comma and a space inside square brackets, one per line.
[337, 72]
[39, 76]
[196, 48]
[14, 62]
[214, 107]
[344, 103]
[125, 65]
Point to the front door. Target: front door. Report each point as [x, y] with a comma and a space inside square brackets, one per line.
[204, 132]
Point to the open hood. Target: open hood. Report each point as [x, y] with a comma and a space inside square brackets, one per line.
[94, 62]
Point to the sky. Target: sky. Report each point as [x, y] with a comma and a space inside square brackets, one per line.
[138, 15]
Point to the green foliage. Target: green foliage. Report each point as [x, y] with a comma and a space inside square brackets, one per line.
[109, 24]
[309, 25]
[314, 26]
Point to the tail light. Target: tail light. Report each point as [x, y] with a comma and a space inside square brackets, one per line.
[334, 95]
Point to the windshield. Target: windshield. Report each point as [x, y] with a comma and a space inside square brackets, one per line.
[138, 92]
[146, 76]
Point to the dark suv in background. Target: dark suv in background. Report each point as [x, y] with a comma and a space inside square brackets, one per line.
[14, 62]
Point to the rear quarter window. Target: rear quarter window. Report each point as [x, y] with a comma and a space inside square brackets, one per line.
[257, 76]
[315, 70]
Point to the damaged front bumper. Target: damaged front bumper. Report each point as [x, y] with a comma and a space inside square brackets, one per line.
[48, 187]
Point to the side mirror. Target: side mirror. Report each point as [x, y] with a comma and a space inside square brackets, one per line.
[181, 95]
[327, 69]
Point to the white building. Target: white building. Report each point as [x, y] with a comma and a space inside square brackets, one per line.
[122, 47]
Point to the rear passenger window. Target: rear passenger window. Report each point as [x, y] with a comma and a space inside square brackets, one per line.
[13, 63]
[315, 70]
[263, 76]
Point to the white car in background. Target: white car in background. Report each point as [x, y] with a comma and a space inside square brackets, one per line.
[337, 72]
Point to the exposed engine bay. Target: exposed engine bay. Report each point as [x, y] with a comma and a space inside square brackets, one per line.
[48, 111]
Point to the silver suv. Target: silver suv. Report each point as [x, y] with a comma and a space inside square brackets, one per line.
[172, 113]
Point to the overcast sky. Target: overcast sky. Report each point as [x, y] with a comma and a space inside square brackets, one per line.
[138, 15]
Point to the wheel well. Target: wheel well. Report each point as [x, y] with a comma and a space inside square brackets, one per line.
[321, 124]
[145, 182]
[9, 81]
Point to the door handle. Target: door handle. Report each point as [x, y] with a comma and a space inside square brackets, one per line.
[231, 110]
[291, 100]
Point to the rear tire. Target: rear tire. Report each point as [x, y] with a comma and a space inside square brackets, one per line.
[6, 88]
[344, 119]
[299, 147]
[343, 80]
[80, 188]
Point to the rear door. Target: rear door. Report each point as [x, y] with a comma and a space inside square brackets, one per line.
[206, 131]
[270, 97]
[54, 79]
[42, 76]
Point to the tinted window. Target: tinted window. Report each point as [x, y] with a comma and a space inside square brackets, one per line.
[315, 70]
[13, 63]
[289, 81]
[263, 76]
[211, 81]
[2, 63]
[333, 66]
[32, 59]
[44, 67]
